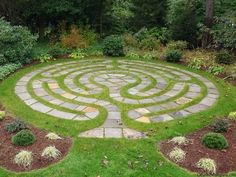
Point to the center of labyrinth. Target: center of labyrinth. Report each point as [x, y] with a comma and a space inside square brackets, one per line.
[144, 92]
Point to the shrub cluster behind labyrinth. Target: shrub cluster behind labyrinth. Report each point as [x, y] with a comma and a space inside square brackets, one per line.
[147, 92]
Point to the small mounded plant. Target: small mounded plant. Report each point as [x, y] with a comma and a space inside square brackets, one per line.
[2, 115]
[232, 115]
[23, 138]
[224, 57]
[177, 45]
[214, 141]
[148, 56]
[51, 152]
[78, 54]
[208, 165]
[45, 58]
[177, 154]
[220, 126]
[24, 158]
[173, 56]
[16, 126]
[133, 56]
[113, 46]
[149, 43]
[53, 136]
[180, 140]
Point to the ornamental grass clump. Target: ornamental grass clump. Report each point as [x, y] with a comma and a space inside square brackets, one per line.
[24, 158]
[180, 140]
[232, 115]
[16, 126]
[51, 152]
[208, 165]
[2, 115]
[220, 126]
[53, 136]
[177, 154]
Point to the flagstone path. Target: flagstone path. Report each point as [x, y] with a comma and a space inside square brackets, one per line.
[145, 92]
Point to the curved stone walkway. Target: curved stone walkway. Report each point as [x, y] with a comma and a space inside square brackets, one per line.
[148, 93]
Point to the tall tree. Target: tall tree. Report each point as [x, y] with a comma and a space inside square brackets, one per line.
[209, 18]
[149, 13]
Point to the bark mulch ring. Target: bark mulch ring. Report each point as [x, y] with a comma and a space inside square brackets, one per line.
[225, 159]
[8, 150]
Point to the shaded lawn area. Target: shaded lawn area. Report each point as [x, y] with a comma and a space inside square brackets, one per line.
[111, 157]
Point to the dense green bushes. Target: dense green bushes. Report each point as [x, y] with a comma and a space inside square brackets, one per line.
[16, 43]
[23, 138]
[214, 141]
[113, 46]
[7, 69]
[173, 56]
[224, 57]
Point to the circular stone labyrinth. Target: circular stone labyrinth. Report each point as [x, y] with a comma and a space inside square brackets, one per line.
[144, 92]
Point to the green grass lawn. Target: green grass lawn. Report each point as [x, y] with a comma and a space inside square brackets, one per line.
[114, 157]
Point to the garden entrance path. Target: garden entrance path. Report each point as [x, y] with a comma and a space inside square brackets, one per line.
[142, 91]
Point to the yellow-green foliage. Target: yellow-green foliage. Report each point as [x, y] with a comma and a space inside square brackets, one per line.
[207, 165]
[24, 158]
[232, 115]
[53, 136]
[2, 115]
[51, 152]
[177, 154]
[180, 140]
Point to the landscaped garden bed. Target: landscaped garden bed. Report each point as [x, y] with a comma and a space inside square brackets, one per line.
[218, 150]
[34, 149]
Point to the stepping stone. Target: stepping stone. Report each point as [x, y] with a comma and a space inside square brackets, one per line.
[113, 132]
[143, 119]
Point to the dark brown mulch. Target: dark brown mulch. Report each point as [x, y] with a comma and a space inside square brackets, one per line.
[225, 159]
[8, 150]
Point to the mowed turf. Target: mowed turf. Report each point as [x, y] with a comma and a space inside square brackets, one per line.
[114, 157]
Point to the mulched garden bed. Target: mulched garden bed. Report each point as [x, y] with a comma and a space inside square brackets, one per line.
[225, 159]
[8, 150]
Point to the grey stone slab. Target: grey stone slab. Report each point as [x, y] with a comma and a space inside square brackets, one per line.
[30, 101]
[20, 89]
[134, 114]
[208, 101]
[196, 108]
[92, 115]
[40, 107]
[113, 132]
[114, 115]
[94, 133]
[69, 105]
[155, 108]
[133, 134]
[112, 123]
[162, 118]
[61, 114]
[24, 96]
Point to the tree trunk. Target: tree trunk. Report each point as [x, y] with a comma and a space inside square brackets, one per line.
[207, 38]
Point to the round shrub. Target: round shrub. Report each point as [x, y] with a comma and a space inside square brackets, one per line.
[113, 46]
[224, 57]
[16, 43]
[220, 126]
[173, 56]
[150, 43]
[23, 138]
[215, 141]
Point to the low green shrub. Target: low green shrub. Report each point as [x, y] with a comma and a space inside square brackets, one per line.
[113, 46]
[133, 56]
[177, 45]
[45, 58]
[8, 69]
[215, 141]
[224, 57]
[149, 43]
[16, 126]
[220, 126]
[23, 138]
[148, 56]
[216, 69]
[78, 54]
[2, 115]
[55, 51]
[173, 56]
